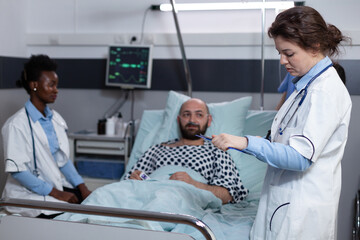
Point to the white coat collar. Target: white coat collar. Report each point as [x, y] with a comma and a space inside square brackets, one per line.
[301, 83]
[35, 114]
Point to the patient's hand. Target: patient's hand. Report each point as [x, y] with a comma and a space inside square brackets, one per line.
[183, 176]
[135, 175]
[218, 191]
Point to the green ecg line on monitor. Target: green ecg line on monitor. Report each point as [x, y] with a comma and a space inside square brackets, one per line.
[129, 66]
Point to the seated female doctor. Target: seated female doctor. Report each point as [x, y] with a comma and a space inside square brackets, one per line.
[301, 190]
[36, 146]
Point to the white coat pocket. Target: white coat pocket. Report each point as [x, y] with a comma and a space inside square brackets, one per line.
[278, 206]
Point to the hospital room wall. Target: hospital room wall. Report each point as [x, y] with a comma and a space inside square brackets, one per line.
[18, 39]
[12, 43]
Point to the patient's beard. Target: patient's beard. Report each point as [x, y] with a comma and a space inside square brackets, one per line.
[191, 134]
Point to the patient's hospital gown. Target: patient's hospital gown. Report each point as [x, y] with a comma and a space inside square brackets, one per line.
[215, 165]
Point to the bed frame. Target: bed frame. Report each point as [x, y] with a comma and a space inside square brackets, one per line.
[356, 226]
[33, 228]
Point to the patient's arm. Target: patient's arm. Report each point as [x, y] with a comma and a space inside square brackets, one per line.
[218, 191]
[135, 175]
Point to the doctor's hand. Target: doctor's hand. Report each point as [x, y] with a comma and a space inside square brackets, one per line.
[64, 196]
[225, 141]
[85, 192]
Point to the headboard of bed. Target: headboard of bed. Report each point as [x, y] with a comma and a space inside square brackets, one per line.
[232, 117]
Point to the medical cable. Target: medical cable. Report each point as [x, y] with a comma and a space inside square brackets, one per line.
[304, 92]
[35, 172]
[143, 26]
[118, 105]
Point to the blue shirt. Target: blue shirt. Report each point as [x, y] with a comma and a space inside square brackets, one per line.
[312, 73]
[287, 85]
[279, 155]
[46, 124]
[29, 180]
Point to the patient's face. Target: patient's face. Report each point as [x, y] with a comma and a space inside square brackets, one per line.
[193, 119]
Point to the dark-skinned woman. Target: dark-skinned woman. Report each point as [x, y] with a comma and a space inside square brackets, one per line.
[36, 146]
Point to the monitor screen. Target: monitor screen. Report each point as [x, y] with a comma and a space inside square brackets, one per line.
[129, 67]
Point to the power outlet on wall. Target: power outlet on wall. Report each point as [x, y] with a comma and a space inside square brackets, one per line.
[133, 39]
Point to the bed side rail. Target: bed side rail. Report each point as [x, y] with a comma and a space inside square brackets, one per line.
[112, 212]
[356, 227]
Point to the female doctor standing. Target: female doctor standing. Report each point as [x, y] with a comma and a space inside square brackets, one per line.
[36, 146]
[302, 185]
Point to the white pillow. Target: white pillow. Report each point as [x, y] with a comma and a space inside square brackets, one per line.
[169, 127]
[228, 117]
[252, 170]
[149, 125]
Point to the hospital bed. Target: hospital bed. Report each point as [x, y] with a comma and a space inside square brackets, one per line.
[229, 221]
[33, 228]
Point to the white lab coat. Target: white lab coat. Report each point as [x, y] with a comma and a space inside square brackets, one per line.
[18, 150]
[304, 205]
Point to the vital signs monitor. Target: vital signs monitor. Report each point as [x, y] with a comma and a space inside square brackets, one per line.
[129, 66]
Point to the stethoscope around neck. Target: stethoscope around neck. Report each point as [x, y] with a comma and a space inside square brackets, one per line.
[35, 171]
[302, 92]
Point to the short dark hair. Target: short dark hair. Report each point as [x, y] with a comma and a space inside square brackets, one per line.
[33, 68]
[341, 71]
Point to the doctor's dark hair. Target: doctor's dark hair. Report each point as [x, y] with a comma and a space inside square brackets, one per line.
[33, 68]
[305, 27]
[341, 71]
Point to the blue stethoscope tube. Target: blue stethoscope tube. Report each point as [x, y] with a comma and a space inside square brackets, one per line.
[304, 92]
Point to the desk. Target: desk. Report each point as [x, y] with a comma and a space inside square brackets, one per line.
[98, 156]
